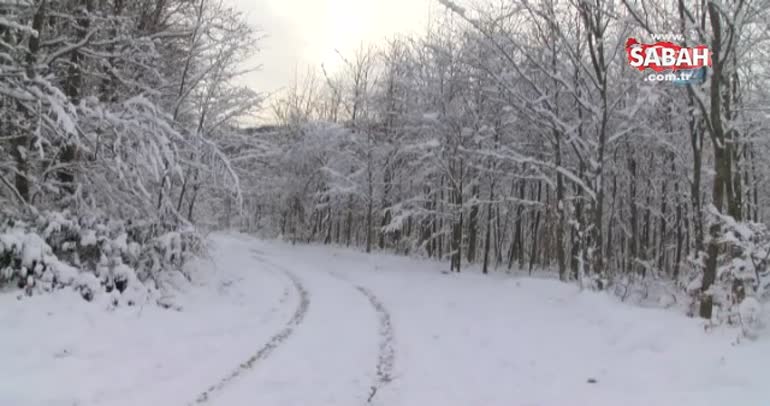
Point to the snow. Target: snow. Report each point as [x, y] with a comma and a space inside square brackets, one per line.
[88, 238]
[58, 349]
[35, 256]
[267, 323]
[16, 26]
[750, 311]
[30, 247]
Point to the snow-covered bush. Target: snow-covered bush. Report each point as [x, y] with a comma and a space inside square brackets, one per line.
[92, 255]
[28, 261]
[743, 273]
[749, 312]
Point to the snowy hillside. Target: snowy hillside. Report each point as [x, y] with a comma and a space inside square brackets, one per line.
[267, 323]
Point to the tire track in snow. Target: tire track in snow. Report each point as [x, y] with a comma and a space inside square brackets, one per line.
[272, 344]
[386, 357]
[387, 354]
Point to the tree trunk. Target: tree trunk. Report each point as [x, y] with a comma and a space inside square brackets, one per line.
[20, 144]
[489, 228]
[457, 228]
[633, 248]
[349, 223]
[721, 163]
[535, 230]
[517, 245]
[560, 214]
[663, 223]
[473, 224]
[72, 89]
[386, 216]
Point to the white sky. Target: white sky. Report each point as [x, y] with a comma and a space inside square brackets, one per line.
[304, 33]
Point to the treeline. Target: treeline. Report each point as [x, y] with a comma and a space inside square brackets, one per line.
[517, 136]
[113, 114]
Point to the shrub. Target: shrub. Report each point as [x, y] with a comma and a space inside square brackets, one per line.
[92, 255]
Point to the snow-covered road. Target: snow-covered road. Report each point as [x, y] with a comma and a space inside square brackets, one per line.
[333, 356]
[273, 324]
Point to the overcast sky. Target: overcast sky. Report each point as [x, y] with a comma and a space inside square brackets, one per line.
[302, 33]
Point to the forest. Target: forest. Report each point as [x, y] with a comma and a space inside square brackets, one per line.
[512, 136]
[517, 136]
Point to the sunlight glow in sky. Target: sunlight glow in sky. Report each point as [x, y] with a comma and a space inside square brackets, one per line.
[303, 33]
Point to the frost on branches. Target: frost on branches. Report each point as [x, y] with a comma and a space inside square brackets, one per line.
[114, 117]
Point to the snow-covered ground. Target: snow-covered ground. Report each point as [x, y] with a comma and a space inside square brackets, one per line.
[271, 324]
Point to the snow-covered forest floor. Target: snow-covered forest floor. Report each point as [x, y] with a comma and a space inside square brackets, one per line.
[266, 323]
